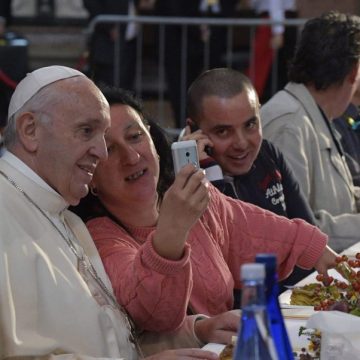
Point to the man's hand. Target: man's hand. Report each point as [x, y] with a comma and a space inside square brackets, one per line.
[201, 139]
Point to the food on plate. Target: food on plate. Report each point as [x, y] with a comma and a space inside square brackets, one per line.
[314, 294]
[227, 352]
[314, 348]
[333, 294]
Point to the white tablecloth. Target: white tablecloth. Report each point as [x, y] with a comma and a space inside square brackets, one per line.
[296, 316]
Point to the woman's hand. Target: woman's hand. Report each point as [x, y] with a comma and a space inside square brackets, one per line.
[182, 205]
[201, 139]
[184, 354]
[218, 329]
[326, 261]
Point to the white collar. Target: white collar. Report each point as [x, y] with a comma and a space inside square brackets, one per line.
[18, 164]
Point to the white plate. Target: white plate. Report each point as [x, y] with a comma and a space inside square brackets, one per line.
[294, 319]
[297, 312]
[284, 298]
[216, 348]
[293, 327]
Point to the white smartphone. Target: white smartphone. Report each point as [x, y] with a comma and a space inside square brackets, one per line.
[183, 153]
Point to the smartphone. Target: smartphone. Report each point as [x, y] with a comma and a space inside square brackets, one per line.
[183, 153]
[208, 149]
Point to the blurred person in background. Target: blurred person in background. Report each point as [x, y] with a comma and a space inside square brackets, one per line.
[5, 10]
[323, 77]
[270, 41]
[198, 37]
[7, 84]
[216, 36]
[102, 43]
[179, 71]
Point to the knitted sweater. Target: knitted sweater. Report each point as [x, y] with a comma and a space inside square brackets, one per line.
[157, 292]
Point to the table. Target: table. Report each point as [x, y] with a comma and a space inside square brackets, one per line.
[284, 298]
[296, 316]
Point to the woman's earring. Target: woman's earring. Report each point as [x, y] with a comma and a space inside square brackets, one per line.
[94, 191]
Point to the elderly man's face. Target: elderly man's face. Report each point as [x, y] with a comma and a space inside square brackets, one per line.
[72, 143]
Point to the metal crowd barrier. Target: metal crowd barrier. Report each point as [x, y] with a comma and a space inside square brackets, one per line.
[162, 23]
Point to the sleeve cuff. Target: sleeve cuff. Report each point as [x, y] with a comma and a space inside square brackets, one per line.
[197, 318]
[161, 265]
[314, 250]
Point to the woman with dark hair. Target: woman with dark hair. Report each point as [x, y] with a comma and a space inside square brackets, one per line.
[180, 253]
[91, 207]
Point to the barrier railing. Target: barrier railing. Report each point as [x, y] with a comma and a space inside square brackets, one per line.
[231, 54]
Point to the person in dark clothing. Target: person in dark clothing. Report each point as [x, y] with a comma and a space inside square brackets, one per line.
[5, 11]
[102, 44]
[174, 62]
[269, 184]
[195, 51]
[224, 105]
[217, 38]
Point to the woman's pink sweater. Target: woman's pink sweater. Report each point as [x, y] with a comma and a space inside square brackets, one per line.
[158, 292]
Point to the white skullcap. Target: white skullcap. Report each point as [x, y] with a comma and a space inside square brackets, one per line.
[35, 81]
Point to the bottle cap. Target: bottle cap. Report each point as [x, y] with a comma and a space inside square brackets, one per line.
[252, 271]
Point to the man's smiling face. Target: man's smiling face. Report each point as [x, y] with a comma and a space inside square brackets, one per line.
[233, 125]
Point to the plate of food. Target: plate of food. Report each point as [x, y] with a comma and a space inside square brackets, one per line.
[338, 291]
[302, 350]
[227, 352]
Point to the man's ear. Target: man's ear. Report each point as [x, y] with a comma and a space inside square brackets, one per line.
[354, 73]
[27, 130]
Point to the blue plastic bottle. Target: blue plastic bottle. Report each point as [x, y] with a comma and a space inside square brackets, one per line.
[254, 340]
[276, 320]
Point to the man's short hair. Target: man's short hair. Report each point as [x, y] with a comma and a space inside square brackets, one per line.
[328, 49]
[221, 82]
